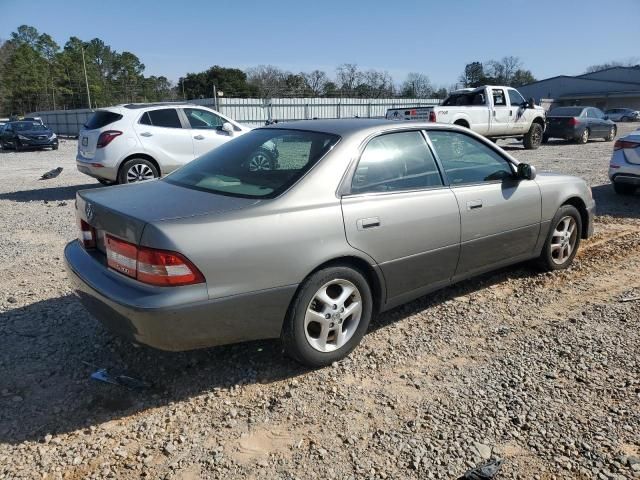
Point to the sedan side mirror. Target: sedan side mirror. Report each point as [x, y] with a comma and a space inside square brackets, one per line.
[227, 127]
[526, 171]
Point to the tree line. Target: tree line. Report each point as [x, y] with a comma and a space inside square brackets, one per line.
[37, 74]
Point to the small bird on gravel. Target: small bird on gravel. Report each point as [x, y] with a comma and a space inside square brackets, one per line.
[485, 471]
[51, 174]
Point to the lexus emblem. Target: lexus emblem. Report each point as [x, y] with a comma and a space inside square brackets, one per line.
[88, 210]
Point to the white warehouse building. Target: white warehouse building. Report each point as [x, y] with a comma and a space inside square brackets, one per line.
[609, 88]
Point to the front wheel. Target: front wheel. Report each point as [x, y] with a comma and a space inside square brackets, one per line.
[611, 135]
[533, 138]
[261, 159]
[328, 317]
[137, 170]
[563, 240]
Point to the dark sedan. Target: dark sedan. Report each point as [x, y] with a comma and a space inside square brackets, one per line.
[579, 124]
[27, 134]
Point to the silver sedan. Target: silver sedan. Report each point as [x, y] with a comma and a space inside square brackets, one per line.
[357, 217]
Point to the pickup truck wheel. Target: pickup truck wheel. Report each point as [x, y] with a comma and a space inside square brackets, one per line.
[328, 317]
[584, 138]
[563, 239]
[533, 137]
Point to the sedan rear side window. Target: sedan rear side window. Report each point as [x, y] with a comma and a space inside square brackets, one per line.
[165, 117]
[396, 161]
[259, 164]
[466, 160]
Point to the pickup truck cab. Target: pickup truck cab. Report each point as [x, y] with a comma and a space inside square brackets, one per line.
[493, 111]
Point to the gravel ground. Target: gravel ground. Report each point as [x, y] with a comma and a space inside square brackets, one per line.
[542, 370]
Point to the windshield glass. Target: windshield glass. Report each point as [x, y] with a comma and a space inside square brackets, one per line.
[19, 126]
[259, 164]
[566, 112]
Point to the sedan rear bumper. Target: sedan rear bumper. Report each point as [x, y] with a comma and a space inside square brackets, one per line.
[173, 318]
[566, 132]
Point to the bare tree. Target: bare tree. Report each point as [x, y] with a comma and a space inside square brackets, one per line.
[375, 83]
[630, 62]
[348, 77]
[316, 81]
[417, 85]
[270, 80]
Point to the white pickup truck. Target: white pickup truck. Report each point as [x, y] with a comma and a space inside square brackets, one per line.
[492, 111]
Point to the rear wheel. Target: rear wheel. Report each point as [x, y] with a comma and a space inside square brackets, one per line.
[624, 188]
[612, 134]
[262, 159]
[584, 137]
[533, 137]
[625, 119]
[563, 240]
[328, 317]
[137, 170]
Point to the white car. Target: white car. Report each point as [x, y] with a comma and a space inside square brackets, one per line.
[493, 111]
[136, 142]
[624, 168]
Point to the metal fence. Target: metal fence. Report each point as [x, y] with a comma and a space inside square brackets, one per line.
[256, 111]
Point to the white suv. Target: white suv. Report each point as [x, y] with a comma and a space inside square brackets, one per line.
[135, 142]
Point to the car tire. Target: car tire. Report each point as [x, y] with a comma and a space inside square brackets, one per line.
[563, 239]
[261, 159]
[625, 119]
[137, 170]
[624, 188]
[314, 340]
[533, 138]
[55, 147]
[612, 134]
[584, 137]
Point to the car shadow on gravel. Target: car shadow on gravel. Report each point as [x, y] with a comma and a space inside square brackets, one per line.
[608, 202]
[48, 350]
[52, 194]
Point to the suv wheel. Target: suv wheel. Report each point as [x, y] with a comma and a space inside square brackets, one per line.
[328, 317]
[261, 159]
[137, 170]
[533, 138]
[563, 239]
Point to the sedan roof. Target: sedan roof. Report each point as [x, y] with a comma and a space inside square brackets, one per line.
[348, 126]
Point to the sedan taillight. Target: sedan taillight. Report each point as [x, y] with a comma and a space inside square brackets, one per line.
[87, 235]
[621, 144]
[107, 137]
[151, 266]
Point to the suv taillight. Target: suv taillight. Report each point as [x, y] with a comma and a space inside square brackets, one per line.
[432, 116]
[621, 144]
[107, 137]
[148, 265]
[87, 235]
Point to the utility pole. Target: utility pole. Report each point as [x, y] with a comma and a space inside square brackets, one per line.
[215, 97]
[183, 96]
[86, 80]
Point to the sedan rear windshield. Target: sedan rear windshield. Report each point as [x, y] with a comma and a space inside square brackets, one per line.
[102, 118]
[259, 164]
[565, 112]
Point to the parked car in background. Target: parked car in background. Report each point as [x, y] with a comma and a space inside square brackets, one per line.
[579, 124]
[136, 142]
[307, 252]
[623, 115]
[624, 169]
[492, 111]
[26, 134]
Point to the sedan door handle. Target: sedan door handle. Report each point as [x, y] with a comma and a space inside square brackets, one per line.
[474, 204]
[146, 134]
[199, 137]
[371, 222]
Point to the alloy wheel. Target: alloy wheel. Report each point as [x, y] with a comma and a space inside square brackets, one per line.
[563, 240]
[259, 162]
[333, 315]
[139, 172]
